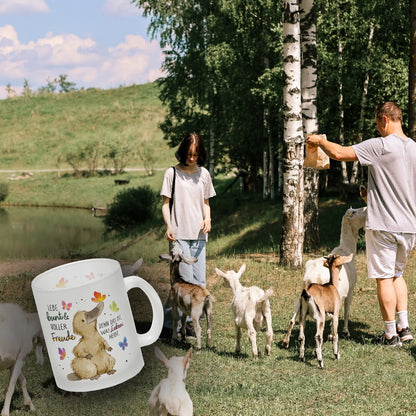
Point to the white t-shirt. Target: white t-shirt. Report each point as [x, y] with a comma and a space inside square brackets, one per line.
[188, 201]
[391, 196]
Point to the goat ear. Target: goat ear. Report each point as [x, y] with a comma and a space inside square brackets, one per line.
[159, 354]
[187, 357]
[343, 259]
[242, 270]
[165, 257]
[220, 273]
[189, 259]
[363, 192]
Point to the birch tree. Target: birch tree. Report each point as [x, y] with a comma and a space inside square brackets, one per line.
[310, 117]
[291, 246]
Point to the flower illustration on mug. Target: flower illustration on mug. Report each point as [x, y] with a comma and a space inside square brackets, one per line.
[90, 276]
[66, 306]
[123, 344]
[62, 282]
[98, 297]
[62, 353]
[114, 307]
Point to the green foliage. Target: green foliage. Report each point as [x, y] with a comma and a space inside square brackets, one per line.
[4, 190]
[131, 208]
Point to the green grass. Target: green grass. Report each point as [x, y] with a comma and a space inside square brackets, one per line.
[367, 379]
[36, 132]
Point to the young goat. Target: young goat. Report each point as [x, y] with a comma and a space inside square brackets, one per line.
[20, 332]
[170, 397]
[250, 307]
[193, 300]
[316, 272]
[320, 300]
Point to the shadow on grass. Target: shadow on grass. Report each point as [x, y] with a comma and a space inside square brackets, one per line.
[358, 334]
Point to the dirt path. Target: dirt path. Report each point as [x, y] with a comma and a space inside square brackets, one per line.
[34, 266]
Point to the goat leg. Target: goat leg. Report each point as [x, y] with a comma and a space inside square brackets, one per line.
[302, 320]
[174, 322]
[319, 337]
[286, 340]
[269, 331]
[15, 372]
[198, 332]
[26, 398]
[347, 306]
[208, 317]
[252, 335]
[335, 337]
[238, 339]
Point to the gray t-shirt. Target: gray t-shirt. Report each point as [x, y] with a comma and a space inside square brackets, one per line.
[188, 201]
[391, 197]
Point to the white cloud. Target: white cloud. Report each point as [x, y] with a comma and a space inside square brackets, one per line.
[120, 8]
[21, 7]
[132, 61]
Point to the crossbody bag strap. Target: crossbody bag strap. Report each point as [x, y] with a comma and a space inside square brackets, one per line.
[173, 189]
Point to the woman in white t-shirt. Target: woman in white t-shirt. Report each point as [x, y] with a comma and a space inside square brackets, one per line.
[187, 213]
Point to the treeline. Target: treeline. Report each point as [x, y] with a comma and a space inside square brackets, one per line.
[223, 60]
[59, 84]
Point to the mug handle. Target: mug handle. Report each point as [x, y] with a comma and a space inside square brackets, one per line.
[157, 308]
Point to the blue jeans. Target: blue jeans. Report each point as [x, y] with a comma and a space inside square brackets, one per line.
[191, 273]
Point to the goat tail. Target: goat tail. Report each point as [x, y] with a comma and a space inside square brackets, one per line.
[209, 298]
[269, 293]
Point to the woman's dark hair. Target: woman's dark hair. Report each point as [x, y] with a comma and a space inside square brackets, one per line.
[182, 153]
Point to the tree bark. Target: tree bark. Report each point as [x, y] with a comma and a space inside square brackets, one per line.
[310, 118]
[291, 246]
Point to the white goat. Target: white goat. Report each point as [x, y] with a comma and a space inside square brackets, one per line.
[170, 397]
[193, 300]
[321, 300]
[20, 331]
[251, 307]
[315, 272]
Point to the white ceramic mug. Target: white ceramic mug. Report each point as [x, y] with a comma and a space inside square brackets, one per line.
[88, 324]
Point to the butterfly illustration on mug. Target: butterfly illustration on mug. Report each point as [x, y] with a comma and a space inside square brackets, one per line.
[123, 344]
[66, 306]
[62, 282]
[98, 297]
[114, 307]
[90, 276]
[62, 353]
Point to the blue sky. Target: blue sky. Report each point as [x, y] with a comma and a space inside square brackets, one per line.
[96, 43]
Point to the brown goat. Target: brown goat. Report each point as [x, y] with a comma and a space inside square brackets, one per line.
[193, 300]
[319, 300]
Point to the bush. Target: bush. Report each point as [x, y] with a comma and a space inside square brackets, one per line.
[131, 207]
[4, 191]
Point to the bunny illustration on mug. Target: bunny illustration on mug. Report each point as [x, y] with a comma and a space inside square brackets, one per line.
[91, 356]
[88, 324]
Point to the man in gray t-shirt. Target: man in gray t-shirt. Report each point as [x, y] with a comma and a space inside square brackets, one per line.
[391, 213]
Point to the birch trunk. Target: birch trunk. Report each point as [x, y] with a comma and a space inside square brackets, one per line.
[291, 246]
[310, 118]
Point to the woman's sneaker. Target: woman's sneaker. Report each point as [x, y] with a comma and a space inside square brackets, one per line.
[394, 341]
[405, 335]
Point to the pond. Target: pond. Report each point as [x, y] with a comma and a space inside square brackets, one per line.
[31, 232]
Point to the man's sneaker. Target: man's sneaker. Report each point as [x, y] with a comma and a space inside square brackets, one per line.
[405, 335]
[394, 341]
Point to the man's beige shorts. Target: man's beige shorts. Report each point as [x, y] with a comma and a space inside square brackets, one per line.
[387, 253]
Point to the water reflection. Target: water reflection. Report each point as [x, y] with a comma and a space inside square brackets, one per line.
[29, 232]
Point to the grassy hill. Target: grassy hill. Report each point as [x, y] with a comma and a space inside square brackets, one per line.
[37, 132]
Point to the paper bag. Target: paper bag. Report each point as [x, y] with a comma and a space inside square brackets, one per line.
[316, 158]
